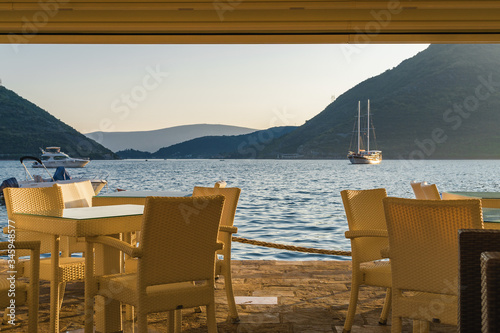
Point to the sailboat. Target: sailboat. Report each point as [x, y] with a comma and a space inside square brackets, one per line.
[362, 156]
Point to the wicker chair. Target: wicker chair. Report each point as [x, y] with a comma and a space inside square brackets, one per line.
[423, 241]
[368, 235]
[77, 194]
[26, 200]
[177, 247]
[226, 231]
[417, 189]
[431, 192]
[490, 291]
[23, 293]
[472, 244]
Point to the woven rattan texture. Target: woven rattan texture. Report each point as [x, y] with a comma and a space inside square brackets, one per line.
[30, 293]
[365, 211]
[423, 242]
[490, 291]
[78, 194]
[177, 247]
[423, 238]
[231, 194]
[431, 191]
[181, 228]
[472, 244]
[417, 189]
[365, 216]
[223, 267]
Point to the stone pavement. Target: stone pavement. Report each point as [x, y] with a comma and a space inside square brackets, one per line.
[305, 297]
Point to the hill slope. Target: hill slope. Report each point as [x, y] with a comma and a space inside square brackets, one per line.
[25, 128]
[442, 103]
[151, 141]
[234, 146]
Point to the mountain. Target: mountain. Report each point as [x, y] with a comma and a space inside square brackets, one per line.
[151, 141]
[234, 146]
[442, 103]
[25, 128]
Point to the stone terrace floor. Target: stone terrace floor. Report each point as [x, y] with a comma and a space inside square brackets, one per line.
[312, 296]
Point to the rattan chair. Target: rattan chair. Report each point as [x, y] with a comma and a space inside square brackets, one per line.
[417, 189]
[431, 192]
[23, 293]
[472, 244]
[26, 200]
[226, 231]
[177, 247]
[77, 194]
[423, 241]
[368, 235]
[490, 292]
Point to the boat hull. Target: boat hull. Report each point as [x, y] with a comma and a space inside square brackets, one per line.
[97, 184]
[67, 164]
[365, 159]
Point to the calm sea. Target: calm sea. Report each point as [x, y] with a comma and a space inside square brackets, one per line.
[295, 202]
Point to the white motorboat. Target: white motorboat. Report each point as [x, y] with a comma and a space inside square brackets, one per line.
[61, 176]
[53, 157]
[364, 156]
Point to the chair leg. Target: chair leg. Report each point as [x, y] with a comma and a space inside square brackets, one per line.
[228, 285]
[397, 324]
[353, 301]
[421, 326]
[89, 289]
[178, 321]
[129, 312]
[171, 322]
[211, 321]
[54, 286]
[62, 289]
[142, 321]
[386, 308]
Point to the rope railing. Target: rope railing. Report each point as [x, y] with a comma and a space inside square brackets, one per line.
[291, 247]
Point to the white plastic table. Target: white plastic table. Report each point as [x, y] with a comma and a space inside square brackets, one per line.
[84, 222]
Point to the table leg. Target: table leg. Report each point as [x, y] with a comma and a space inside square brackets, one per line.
[54, 286]
[108, 312]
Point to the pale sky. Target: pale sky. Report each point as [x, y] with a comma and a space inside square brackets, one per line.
[148, 87]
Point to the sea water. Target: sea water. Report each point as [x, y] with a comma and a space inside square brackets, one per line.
[293, 202]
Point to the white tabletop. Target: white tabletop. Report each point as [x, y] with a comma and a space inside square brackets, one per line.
[89, 213]
[81, 222]
[143, 194]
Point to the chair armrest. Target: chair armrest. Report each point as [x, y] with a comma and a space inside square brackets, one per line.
[228, 229]
[366, 233]
[117, 244]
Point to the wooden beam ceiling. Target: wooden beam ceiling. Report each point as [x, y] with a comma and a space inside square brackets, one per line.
[245, 21]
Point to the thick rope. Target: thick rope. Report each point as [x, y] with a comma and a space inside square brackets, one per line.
[291, 247]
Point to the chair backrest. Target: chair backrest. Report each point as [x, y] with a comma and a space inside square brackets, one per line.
[431, 192]
[77, 194]
[417, 189]
[423, 241]
[232, 195]
[29, 200]
[365, 211]
[35, 199]
[178, 239]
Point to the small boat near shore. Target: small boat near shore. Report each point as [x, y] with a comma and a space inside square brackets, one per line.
[60, 176]
[53, 157]
[364, 156]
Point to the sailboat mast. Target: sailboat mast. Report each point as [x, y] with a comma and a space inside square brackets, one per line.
[359, 125]
[368, 128]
